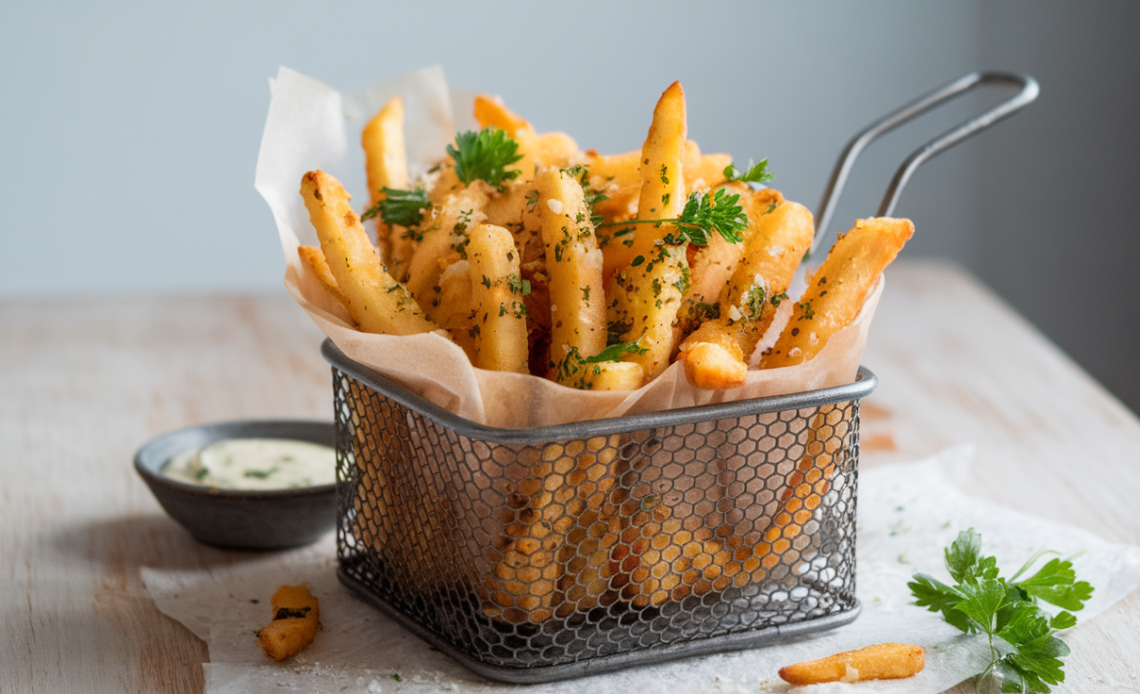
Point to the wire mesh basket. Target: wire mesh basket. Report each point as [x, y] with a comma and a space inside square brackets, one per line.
[532, 555]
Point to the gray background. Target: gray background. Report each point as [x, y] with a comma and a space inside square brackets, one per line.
[129, 131]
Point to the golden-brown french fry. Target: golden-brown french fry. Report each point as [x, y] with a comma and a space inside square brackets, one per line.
[646, 296]
[574, 265]
[703, 171]
[497, 293]
[564, 481]
[806, 489]
[315, 261]
[296, 617]
[386, 166]
[443, 240]
[558, 150]
[716, 354]
[490, 112]
[665, 560]
[618, 177]
[456, 312]
[836, 291]
[662, 194]
[374, 299]
[884, 661]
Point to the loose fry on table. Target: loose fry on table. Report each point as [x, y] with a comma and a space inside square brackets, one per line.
[884, 661]
[296, 617]
[646, 295]
[315, 261]
[386, 166]
[374, 299]
[837, 290]
[716, 354]
[499, 329]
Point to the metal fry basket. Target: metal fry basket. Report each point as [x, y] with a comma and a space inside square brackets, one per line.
[531, 555]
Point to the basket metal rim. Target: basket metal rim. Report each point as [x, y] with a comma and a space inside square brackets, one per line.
[865, 382]
[597, 665]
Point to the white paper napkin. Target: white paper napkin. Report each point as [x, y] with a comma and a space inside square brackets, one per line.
[907, 514]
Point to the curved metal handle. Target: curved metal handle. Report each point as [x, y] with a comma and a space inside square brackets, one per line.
[1025, 96]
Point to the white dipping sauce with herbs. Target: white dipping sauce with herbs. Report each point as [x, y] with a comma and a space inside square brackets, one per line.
[255, 464]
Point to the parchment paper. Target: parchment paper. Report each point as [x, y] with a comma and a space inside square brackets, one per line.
[907, 514]
[311, 126]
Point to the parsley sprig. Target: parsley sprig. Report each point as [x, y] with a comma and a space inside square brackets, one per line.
[401, 207]
[574, 360]
[702, 215]
[485, 155]
[1026, 656]
[756, 173]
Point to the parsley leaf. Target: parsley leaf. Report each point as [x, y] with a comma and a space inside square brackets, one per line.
[702, 215]
[1007, 610]
[615, 352]
[400, 207]
[757, 173]
[485, 155]
[1056, 584]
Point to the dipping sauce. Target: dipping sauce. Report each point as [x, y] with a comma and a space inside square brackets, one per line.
[255, 464]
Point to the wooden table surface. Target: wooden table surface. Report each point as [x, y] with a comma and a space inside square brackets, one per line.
[84, 382]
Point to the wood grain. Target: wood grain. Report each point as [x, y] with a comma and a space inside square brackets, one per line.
[83, 383]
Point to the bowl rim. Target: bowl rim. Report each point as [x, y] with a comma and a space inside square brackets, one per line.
[164, 447]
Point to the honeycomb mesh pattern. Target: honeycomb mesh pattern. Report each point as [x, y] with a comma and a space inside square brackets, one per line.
[530, 555]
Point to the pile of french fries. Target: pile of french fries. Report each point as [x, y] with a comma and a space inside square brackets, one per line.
[574, 266]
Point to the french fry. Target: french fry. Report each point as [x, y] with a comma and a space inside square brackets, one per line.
[456, 312]
[386, 166]
[563, 482]
[444, 241]
[296, 617]
[884, 661]
[315, 261]
[497, 293]
[716, 354]
[574, 265]
[703, 171]
[646, 296]
[807, 486]
[490, 112]
[376, 302]
[837, 290]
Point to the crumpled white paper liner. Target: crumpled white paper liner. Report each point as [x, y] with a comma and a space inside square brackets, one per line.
[312, 126]
[907, 514]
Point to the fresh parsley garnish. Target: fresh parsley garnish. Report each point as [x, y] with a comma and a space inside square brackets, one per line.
[757, 173]
[400, 207]
[485, 155]
[574, 360]
[702, 215]
[981, 601]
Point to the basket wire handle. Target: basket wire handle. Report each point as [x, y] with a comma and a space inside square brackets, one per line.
[1027, 93]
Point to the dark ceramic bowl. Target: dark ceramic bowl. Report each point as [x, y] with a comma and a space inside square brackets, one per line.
[275, 519]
